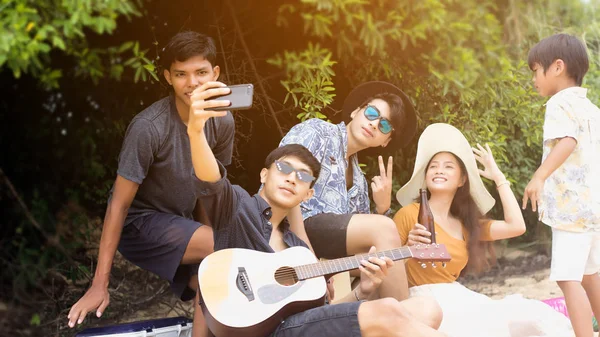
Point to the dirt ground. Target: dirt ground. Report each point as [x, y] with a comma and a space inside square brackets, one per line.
[516, 272]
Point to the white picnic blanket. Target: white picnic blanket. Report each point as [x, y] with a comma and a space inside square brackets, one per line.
[470, 314]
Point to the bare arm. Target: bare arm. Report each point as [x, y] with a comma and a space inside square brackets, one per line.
[513, 223]
[97, 296]
[205, 164]
[559, 154]
[116, 212]
[297, 226]
[204, 161]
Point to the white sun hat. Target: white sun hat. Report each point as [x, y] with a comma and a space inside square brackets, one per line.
[441, 137]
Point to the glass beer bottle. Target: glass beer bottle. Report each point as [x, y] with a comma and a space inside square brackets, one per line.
[425, 215]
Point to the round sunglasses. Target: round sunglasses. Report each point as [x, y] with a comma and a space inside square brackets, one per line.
[384, 125]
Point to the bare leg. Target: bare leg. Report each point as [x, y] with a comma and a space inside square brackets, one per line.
[199, 329]
[578, 305]
[366, 230]
[410, 318]
[425, 310]
[200, 246]
[591, 284]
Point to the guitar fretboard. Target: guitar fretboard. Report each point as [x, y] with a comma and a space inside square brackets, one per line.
[308, 271]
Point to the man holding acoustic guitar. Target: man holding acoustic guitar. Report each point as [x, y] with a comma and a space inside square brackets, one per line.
[262, 280]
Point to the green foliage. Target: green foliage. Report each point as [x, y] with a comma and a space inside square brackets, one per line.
[30, 31]
[35, 320]
[457, 60]
[309, 79]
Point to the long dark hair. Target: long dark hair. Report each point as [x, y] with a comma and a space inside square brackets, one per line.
[465, 209]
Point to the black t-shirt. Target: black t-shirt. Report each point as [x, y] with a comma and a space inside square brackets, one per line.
[156, 154]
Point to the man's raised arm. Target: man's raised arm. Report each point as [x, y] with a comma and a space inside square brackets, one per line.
[205, 164]
[215, 192]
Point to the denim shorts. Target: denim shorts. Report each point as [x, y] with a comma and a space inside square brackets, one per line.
[335, 320]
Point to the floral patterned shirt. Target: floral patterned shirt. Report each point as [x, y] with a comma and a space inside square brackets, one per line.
[329, 144]
[570, 200]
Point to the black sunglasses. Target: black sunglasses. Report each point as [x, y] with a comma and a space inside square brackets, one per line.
[287, 169]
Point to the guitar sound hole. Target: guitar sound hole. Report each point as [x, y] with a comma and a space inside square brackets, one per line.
[286, 276]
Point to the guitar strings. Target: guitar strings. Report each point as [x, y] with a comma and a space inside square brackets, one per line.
[323, 267]
[331, 264]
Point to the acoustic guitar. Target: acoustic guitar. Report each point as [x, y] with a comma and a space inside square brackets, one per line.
[247, 293]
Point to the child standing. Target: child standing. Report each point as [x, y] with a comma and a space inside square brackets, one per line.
[565, 189]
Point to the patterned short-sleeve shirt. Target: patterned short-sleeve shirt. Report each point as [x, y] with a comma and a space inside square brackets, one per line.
[329, 144]
[571, 197]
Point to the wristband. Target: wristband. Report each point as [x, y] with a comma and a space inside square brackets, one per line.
[388, 213]
[506, 182]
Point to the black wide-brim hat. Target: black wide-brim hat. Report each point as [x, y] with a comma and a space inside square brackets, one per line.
[402, 135]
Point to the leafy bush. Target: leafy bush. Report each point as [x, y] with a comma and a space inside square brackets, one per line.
[30, 31]
[462, 62]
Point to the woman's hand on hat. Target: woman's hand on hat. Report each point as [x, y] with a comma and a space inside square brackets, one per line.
[382, 186]
[490, 168]
[419, 234]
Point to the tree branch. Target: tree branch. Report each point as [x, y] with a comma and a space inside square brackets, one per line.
[261, 87]
[52, 240]
[223, 51]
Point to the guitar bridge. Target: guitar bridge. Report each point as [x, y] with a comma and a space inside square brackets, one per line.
[243, 284]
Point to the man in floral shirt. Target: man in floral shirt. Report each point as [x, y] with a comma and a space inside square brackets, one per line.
[338, 217]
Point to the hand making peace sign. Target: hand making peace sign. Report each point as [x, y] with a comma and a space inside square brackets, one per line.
[382, 186]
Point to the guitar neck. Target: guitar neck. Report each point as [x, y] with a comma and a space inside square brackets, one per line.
[327, 267]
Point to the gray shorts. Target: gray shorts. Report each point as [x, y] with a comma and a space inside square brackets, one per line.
[327, 234]
[333, 320]
[156, 243]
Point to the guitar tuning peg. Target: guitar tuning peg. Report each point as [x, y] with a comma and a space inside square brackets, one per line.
[423, 265]
[443, 264]
[433, 265]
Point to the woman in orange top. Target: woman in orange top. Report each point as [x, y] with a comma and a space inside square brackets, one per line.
[447, 166]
